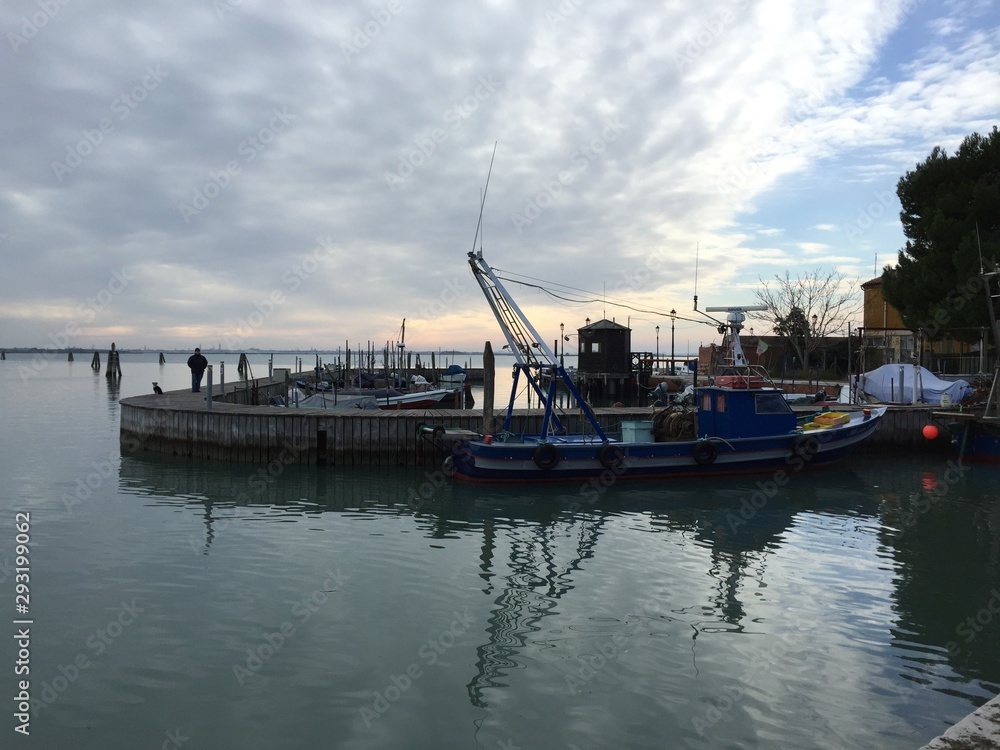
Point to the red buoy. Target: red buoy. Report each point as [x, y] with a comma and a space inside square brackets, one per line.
[930, 431]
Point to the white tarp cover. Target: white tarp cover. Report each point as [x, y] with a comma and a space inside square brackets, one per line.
[883, 384]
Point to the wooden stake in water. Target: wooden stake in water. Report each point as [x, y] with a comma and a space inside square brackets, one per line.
[114, 368]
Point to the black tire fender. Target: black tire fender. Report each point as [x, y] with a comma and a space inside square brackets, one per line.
[611, 456]
[546, 456]
[704, 452]
[805, 445]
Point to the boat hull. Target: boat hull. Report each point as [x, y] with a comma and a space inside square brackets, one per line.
[424, 400]
[361, 399]
[575, 458]
[979, 443]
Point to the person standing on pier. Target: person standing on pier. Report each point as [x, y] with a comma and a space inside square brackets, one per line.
[197, 363]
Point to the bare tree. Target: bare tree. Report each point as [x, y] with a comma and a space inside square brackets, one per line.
[808, 308]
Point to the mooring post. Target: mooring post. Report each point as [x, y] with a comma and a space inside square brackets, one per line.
[489, 377]
[163, 360]
[95, 363]
[222, 377]
[850, 367]
[114, 368]
[208, 394]
[70, 357]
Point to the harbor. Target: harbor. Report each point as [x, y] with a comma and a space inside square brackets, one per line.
[669, 609]
[179, 423]
[306, 427]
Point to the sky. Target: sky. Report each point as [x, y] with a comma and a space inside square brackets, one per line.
[307, 175]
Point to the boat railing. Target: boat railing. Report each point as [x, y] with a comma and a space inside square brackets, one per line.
[755, 376]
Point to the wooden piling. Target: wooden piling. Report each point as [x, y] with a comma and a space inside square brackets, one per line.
[489, 385]
[242, 366]
[70, 357]
[114, 368]
[95, 363]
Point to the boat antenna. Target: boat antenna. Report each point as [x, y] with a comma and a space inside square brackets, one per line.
[482, 201]
[697, 247]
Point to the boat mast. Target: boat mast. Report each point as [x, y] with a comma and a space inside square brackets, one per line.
[734, 320]
[528, 348]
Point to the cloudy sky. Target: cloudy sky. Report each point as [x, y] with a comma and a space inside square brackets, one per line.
[304, 174]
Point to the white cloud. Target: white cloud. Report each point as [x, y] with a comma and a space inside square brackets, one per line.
[813, 248]
[624, 129]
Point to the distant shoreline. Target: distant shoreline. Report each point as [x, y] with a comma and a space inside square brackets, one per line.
[84, 350]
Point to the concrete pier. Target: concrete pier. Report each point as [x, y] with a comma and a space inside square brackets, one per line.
[180, 423]
[980, 730]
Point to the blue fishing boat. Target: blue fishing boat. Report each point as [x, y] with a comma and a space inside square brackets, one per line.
[741, 427]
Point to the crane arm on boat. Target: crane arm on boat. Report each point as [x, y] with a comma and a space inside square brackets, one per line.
[532, 354]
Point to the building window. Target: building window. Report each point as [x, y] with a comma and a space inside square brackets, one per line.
[706, 402]
[720, 402]
[595, 347]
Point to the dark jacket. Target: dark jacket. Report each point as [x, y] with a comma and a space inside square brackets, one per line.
[197, 363]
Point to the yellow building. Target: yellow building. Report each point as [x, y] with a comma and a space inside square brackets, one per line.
[888, 340]
[885, 333]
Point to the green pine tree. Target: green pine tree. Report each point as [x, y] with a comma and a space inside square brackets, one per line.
[951, 208]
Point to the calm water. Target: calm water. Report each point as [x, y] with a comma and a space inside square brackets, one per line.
[186, 604]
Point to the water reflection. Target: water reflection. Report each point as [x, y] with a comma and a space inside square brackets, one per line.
[928, 531]
[531, 590]
[941, 522]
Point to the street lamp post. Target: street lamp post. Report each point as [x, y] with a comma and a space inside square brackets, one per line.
[562, 344]
[657, 346]
[813, 343]
[673, 317]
